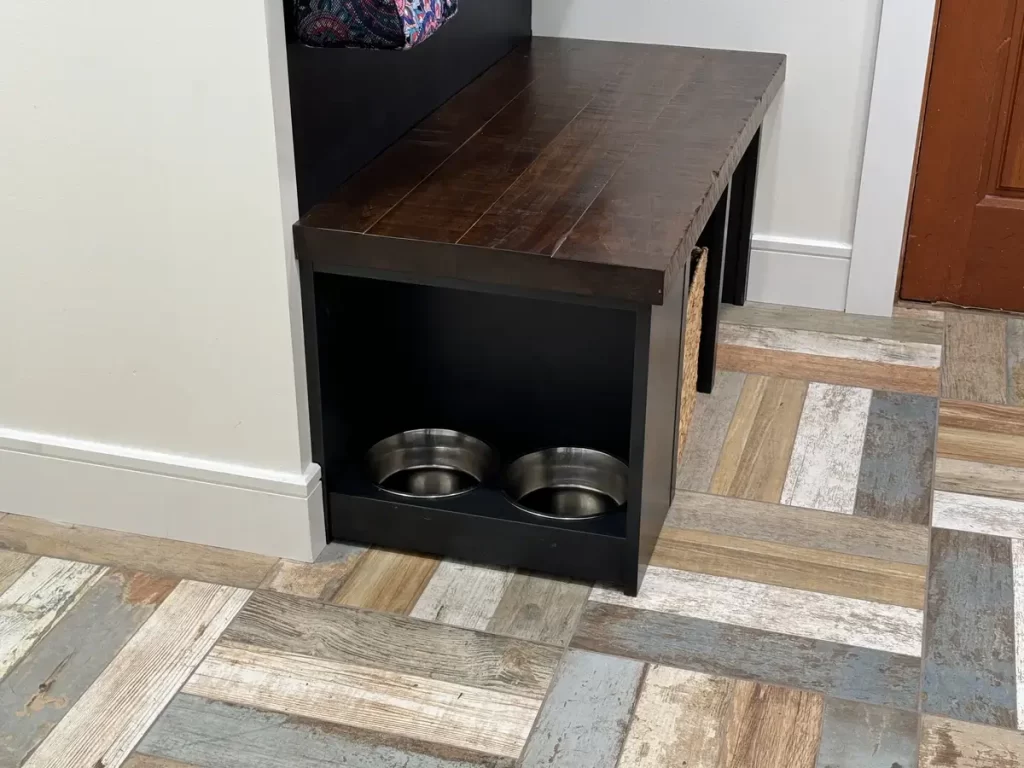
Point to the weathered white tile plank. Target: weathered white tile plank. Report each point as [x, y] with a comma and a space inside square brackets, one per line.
[462, 595]
[1017, 558]
[978, 514]
[586, 714]
[116, 711]
[909, 353]
[846, 620]
[33, 603]
[825, 465]
[361, 697]
[678, 720]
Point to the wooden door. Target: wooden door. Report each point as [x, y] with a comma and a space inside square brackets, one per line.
[965, 242]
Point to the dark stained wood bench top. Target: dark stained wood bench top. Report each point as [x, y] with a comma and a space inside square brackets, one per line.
[570, 165]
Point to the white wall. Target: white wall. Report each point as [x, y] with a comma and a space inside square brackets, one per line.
[814, 135]
[149, 313]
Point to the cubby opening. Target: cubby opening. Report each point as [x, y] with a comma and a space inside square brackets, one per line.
[521, 373]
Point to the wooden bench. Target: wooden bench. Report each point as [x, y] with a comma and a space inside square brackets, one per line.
[516, 267]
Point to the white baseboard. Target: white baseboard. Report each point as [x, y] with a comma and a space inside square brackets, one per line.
[154, 494]
[799, 273]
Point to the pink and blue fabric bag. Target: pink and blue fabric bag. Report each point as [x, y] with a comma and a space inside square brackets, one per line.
[394, 24]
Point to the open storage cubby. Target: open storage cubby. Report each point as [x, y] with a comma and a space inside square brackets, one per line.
[520, 372]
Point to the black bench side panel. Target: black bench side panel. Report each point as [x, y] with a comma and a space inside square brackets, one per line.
[350, 104]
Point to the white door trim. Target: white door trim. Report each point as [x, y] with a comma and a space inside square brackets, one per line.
[901, 68]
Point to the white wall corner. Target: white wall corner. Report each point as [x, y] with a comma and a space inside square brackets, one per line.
[799, 272]
[901, 66]
[176, 497]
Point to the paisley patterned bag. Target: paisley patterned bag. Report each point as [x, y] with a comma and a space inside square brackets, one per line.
[392, 24]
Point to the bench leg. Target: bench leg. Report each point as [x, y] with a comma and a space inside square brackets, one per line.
[741, 217]
[714, 238]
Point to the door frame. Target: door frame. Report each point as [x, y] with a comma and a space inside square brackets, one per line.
[902, 63]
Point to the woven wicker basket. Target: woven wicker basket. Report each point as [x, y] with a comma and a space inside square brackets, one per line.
[691, 345]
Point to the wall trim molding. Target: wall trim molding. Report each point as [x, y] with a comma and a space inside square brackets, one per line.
[890, 152]
[80, 482]
[799, 273]
[297, 484]
[801, 245]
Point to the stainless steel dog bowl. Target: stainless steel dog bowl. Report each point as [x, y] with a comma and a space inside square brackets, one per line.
[429, 463]
[567, 483]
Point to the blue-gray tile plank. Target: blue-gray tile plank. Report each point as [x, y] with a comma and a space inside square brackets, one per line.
[896, 470]
[584, 719]
[969, 641]
[197, 731]
[841, 671]
[856, 735]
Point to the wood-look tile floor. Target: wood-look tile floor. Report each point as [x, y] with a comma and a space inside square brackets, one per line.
[839, 585]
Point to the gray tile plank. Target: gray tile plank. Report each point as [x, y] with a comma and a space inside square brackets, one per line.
[856, 735]
[396, 643]
[840, 671]
[711, 418]
[540, 609]
[583, 721]
[974, 357]
[48, 681]
[1015, 360]
[969, 651]
[899, 458]
[920, 329]
[197, 731]
[800, 527]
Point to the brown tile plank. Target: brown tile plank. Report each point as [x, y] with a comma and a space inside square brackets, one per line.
[133, 552]
[947, 743]
[830, 370]
[396, 643]
[798, 527]
[384, 580]
[757, 448]
[969, 671]
[12, 565]
[321, 579]
[981, 417]
[896, 470]
[688, 720]
[842, 671]
[974, 363]
[787, 566]
[990, 447]
[979, 478]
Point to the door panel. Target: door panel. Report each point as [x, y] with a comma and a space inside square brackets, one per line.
[965, 242]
